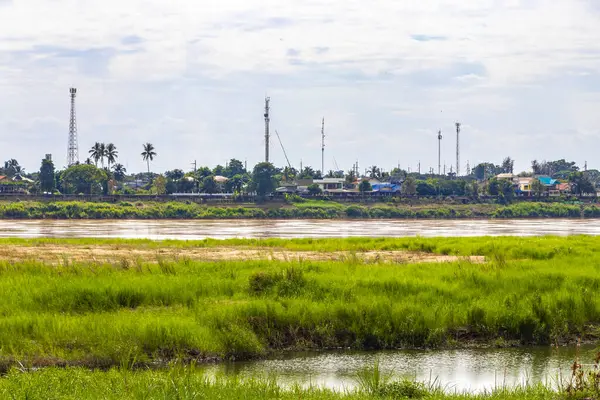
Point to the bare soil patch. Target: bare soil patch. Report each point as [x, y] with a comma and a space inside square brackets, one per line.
[59, 254]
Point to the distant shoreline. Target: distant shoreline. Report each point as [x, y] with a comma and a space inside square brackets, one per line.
[323, 210]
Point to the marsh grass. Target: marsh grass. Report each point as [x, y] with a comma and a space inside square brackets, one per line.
[101, 314]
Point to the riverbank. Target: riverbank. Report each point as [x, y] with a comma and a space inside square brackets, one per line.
[303, 210]
[189, 383]
[102, 303]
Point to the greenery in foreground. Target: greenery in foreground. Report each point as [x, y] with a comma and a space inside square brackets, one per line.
[189, 383]
[530, 291]
[311, 209]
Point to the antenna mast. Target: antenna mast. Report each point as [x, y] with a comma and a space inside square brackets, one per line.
[440, 152]
[267, 121]
[457, 148]
[323, 147]
[73, 150]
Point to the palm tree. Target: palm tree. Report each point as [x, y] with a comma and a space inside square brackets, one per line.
[102, 153]
[96, 152]
[119, 172]
[111, 154]
[148, 154]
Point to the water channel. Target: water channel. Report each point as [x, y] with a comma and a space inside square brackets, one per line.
[473, 370]
[225, 229]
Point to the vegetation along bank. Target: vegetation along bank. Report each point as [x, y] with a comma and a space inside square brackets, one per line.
[307, 210]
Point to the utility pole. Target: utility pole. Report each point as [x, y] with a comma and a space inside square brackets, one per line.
[195, 176]
[73, 148]
[267, 121]
[419, 166]
[457, 148]
[323, 147]
[440, 152]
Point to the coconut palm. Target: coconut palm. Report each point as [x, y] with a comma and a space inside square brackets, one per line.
[111, 154]
[102, 153]
[148, 154]
[119, 172]
[97, 152]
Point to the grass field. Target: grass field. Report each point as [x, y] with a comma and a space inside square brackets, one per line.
[121, 307]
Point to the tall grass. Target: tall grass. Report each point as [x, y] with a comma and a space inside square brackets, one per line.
[308, 209]
[530, 291]
[190, 383]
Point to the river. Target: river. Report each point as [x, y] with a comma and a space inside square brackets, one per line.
[226, 229]
[473, 370]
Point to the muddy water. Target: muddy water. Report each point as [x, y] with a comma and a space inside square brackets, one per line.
[454, 370]
[223, 229]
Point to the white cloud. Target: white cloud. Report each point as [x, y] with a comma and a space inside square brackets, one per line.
[198, 74]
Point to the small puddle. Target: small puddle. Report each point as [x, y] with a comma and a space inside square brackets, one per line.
[473, 370]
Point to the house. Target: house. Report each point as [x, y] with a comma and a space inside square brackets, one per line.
[331, 185]
[384, 187]
[548, 181]
[524, 186]
[507, 176]
[4, 178]
[221, 179]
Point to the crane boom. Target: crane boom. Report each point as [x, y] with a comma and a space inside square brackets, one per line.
[283, 148]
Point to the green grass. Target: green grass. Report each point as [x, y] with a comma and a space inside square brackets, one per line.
[530, 291]
[311, 209]
[189, 383]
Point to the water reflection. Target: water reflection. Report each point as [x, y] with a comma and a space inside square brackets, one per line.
[455, 370]
[223, 229]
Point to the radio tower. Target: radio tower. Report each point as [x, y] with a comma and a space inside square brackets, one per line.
[457, 149]
[73, 153]
[440, 152]
[267, 120]
[323, 147]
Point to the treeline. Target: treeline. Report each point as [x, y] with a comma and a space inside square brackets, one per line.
[181, 210]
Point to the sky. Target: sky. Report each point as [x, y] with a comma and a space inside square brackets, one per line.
[522, 76]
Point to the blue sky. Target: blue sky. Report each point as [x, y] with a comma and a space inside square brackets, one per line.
[190, 77]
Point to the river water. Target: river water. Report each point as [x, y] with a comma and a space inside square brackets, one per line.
[226, 229]
[454, 370]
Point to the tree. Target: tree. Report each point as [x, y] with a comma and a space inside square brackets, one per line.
[485, 171]
[83, 178]
[536, 167]
[159, 185]
[263, 178]
[537, 188]
[508, 165]
[374, 172]
[314, 189]
[289, 174]
[364, 186]
[219, 170]
[209, 185]
[472, 189]
[174, 175]
[350, 177]
[308, 173]
[119, 172]
[426, 188]
[97, 152]
[12, 168]
[111, 154]
[409, 186]
[234, 167]
[235, 184]
[148, 154]
[88, 161]
[580, 184]
[47, 179]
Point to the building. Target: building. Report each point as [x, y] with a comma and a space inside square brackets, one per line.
[524, 186]
[331, 185]
[385, 187]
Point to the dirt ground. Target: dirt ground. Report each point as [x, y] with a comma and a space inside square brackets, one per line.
[60, 254]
